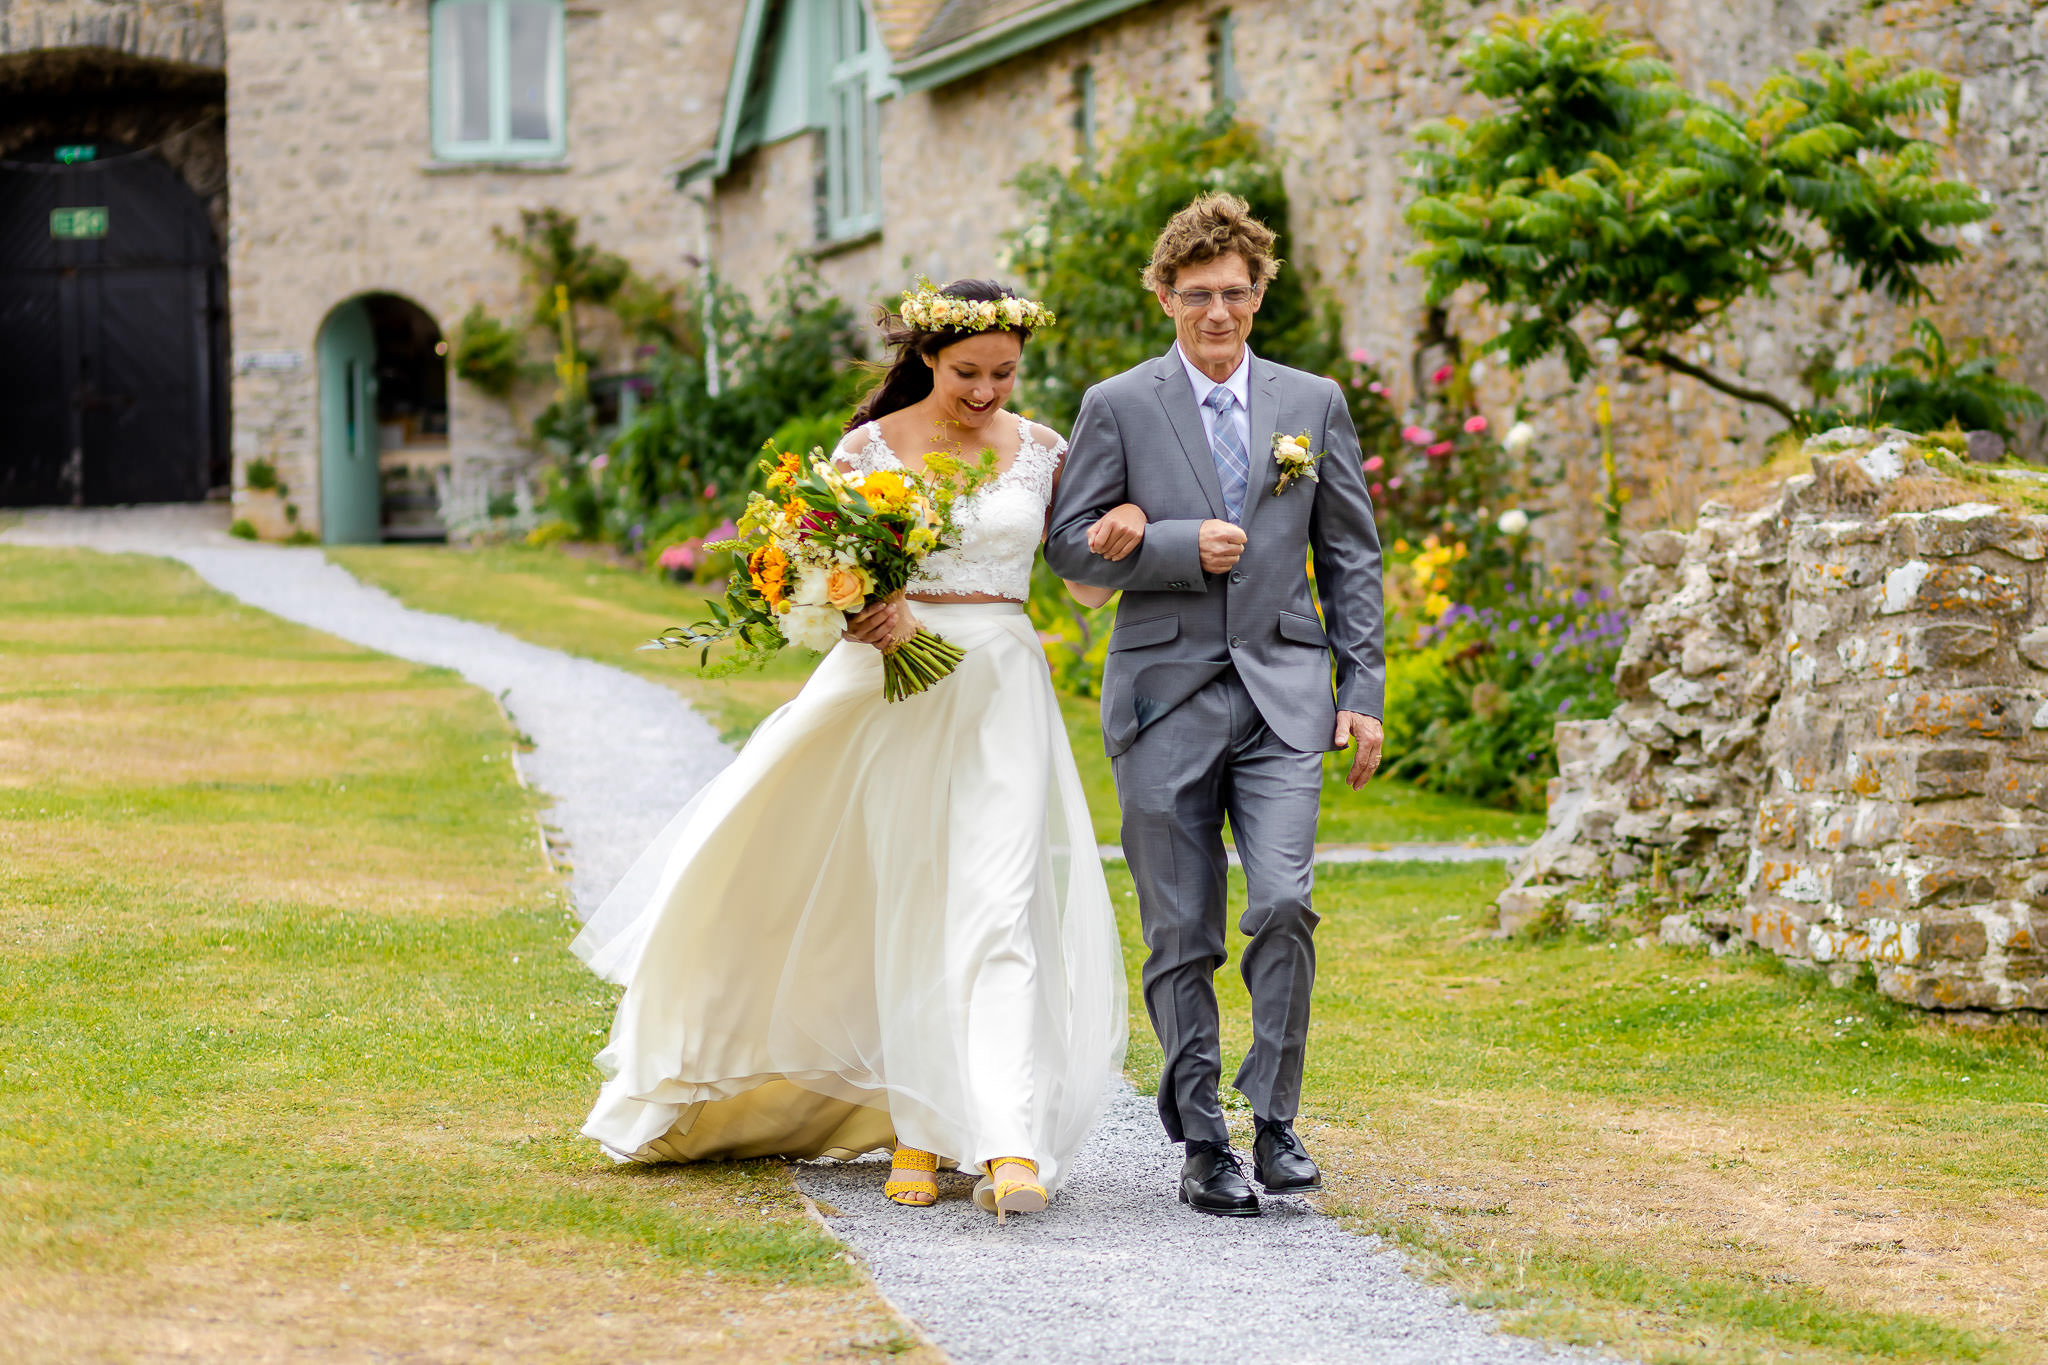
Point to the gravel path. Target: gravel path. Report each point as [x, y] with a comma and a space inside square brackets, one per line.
[1117, 1272]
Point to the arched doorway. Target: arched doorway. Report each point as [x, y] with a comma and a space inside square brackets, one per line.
[113, 330]
[383, 422]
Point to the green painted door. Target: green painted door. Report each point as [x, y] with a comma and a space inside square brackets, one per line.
[350, 492]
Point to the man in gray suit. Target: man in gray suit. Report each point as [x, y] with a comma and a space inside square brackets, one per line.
[1216, 698]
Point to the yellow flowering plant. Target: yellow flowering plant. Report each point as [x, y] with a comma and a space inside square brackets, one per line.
[819, 546]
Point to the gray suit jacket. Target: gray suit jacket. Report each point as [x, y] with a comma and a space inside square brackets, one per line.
[1139, 439]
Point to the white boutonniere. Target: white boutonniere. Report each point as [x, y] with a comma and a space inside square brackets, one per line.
[1295, 460]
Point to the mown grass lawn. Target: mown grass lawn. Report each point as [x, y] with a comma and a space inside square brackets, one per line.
[1686, 1157]
[291, 1056]
[600, 611]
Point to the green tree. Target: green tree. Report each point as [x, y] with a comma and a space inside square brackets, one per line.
[1604, 201]
[1088, 235]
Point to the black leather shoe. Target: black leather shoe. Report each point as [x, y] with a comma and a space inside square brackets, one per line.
[1281, 1163]
[1212, 1181]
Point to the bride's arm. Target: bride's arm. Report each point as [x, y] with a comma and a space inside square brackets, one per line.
[887, 623]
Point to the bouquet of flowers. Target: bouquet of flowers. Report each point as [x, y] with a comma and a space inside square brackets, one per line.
[820, 546]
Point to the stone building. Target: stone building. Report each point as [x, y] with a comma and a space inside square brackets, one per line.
[324, 176]
[879, 140]
[335, 169]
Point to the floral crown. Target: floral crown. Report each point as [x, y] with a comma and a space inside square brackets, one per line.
[925, 309]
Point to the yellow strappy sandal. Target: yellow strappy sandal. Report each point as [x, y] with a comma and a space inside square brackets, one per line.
[1002, 1197]
[905, 1192]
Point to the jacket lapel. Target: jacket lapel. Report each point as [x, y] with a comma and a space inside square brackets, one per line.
[1178, 398]
[1263, 414]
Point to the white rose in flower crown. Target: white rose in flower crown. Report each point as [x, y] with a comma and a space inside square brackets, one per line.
[809, 627]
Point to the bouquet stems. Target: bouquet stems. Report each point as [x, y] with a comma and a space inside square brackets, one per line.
[916, 664]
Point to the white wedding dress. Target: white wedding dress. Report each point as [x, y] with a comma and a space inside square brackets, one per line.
[885, 922]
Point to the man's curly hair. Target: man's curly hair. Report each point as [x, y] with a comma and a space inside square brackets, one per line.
[1215, 224]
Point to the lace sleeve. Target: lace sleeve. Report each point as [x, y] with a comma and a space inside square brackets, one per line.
[864, 450]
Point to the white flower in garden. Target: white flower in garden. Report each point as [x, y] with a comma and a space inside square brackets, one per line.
[1519, 438]
[1513, 522]
[809, 627]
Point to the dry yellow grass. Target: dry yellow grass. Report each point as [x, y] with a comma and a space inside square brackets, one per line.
[294, 1295]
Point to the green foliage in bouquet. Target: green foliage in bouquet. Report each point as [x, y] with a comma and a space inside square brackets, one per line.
[1925, 387]
[1605, 201]
[1088, 235]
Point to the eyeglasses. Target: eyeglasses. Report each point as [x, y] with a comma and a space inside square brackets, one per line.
[1237, 296]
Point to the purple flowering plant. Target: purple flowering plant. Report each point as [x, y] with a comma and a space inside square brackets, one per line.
[1486, 684]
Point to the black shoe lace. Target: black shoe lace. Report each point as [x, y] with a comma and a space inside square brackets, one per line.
[1229, 1157]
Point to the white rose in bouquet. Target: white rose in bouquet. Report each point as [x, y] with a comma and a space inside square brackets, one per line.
[812, 627]
[813, 586]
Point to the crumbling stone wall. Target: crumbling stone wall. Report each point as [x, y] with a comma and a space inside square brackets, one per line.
[1834, 715]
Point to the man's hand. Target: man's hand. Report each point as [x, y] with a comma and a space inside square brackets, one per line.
[1119, 533]
[1220, 545]
[1366, 760]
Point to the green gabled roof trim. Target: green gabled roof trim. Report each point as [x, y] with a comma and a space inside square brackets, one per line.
[716, 162]
[1021, 32]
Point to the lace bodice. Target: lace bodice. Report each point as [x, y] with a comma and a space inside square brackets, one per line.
[999, 527]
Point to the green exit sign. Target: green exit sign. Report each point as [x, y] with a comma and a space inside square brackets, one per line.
[71, 156]
[74, 225]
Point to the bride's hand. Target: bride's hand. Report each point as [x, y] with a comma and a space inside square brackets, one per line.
[1120, 531]
[903, 624]
[875, 625]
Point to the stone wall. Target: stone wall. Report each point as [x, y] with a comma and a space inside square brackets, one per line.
[1833, 730]
[192, 33]
[336, 192]
[1341, 82]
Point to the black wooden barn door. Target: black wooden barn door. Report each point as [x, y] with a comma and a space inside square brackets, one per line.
[112, 307]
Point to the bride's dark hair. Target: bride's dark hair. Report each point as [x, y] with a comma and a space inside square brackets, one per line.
[906, 379]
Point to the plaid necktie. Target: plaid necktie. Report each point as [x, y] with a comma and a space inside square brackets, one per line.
[1233, 465]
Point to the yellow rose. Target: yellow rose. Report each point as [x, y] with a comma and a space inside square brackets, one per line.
[846, 587]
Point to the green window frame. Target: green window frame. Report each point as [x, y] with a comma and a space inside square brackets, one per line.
[499, 87]
[852, 199]
[1225, 90]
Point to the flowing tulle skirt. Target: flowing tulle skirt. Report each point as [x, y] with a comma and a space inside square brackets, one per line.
[884, 922]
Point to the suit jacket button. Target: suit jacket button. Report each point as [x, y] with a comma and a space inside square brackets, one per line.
[1178, 585]
[1237, 576]
[1237, 642]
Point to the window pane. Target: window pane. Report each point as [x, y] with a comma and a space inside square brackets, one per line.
[531, 52]
[466, 72]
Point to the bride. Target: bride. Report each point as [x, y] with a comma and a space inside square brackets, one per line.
[886, 923]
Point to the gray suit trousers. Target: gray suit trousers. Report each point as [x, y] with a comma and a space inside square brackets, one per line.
[1211, 756]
